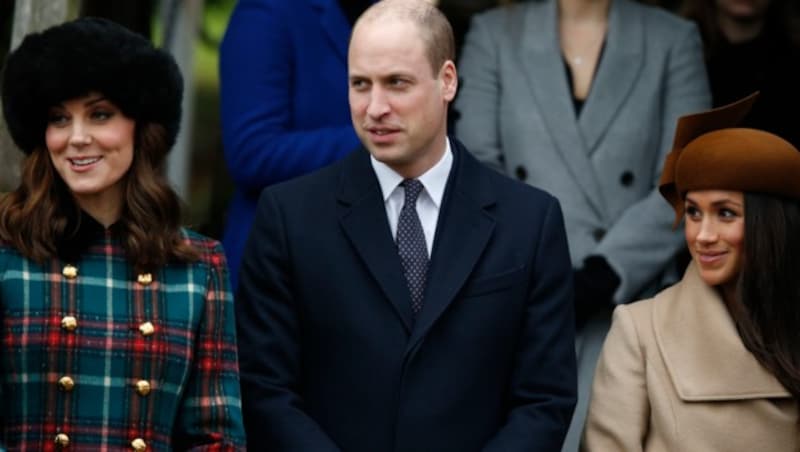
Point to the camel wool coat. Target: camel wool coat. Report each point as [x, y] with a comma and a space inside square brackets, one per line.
[674, 375]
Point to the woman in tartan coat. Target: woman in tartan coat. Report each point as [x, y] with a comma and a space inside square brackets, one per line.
[116, 324]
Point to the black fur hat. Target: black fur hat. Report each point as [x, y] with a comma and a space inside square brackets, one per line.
[88, 54]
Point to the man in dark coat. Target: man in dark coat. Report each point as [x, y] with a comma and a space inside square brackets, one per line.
[406, 298]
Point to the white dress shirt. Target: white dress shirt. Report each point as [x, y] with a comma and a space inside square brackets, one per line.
[430, 200]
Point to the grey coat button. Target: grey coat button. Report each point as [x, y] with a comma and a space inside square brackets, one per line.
[626, 179]
[521, 173]
[598, 234]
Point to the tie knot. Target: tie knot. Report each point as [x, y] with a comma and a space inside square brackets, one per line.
[413, 188]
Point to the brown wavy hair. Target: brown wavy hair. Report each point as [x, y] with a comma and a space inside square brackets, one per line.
[35, 217]
[767, 308]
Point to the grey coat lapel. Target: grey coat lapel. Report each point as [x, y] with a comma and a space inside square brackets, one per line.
[617, 74]
[541, 58]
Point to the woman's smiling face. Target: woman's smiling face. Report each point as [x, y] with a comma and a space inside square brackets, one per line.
[91, 146]
[715, 234]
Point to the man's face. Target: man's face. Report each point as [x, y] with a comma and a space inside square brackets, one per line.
[397, 104]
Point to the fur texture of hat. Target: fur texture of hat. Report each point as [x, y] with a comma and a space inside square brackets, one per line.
[711, 153]
[82, 56]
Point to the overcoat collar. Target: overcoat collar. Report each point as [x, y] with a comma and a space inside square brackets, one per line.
[82, 231]
[702, 350]
[617, 73]
[463, 230]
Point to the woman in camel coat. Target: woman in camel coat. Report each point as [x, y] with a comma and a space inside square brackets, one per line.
[713, 362]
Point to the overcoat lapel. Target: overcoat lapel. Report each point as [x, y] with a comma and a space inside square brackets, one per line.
[334, 23]
[540, 54]
[462, 233]
[618, 72]
[362, 216]
[702, 350]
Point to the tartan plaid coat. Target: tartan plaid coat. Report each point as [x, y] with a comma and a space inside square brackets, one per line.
[95, 357]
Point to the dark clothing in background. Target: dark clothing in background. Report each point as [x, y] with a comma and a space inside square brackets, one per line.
[353, 8]
[770, 63]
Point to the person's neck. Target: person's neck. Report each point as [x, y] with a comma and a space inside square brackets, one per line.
[583, 10]
[104, 210]
[737, 31]
[104, 217]
[421, 166]
[728, 294]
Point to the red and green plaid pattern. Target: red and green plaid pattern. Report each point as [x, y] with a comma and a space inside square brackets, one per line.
[190, 360]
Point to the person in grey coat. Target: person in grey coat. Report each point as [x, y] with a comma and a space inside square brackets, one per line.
[581, 98]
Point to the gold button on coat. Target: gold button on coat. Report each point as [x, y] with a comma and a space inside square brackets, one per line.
[69, 323]
[66, 383]
[144, 278]
[147, 329]
[143, 387]
[70, 271]
[62, 440]
[139, 445]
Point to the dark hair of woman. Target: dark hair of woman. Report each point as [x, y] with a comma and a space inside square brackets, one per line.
[768, 314]
[35, 217]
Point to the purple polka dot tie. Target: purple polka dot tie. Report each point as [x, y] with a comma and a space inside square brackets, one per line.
[411, 244]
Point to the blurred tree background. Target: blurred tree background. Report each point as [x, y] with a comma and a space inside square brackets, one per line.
[210, 186]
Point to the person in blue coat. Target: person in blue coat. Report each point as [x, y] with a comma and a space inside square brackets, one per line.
[283, 72]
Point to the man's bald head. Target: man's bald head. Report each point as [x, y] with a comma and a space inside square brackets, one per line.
[434, 28]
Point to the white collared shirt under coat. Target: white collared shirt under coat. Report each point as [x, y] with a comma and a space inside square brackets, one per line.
[429, 201]
[674, 375]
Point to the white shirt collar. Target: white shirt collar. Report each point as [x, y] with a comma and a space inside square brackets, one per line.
[434, 180]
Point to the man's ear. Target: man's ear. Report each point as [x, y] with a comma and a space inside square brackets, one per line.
[448, 77]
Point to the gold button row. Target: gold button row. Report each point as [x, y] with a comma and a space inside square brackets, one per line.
[71, 272]
[138, 444]
[70, 323]
[66, 384]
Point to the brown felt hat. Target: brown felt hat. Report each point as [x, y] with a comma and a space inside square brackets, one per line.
[710, 153]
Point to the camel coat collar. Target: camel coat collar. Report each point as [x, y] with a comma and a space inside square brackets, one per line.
[702, 350]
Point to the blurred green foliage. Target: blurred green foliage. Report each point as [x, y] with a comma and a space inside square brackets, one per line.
[210, 186]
